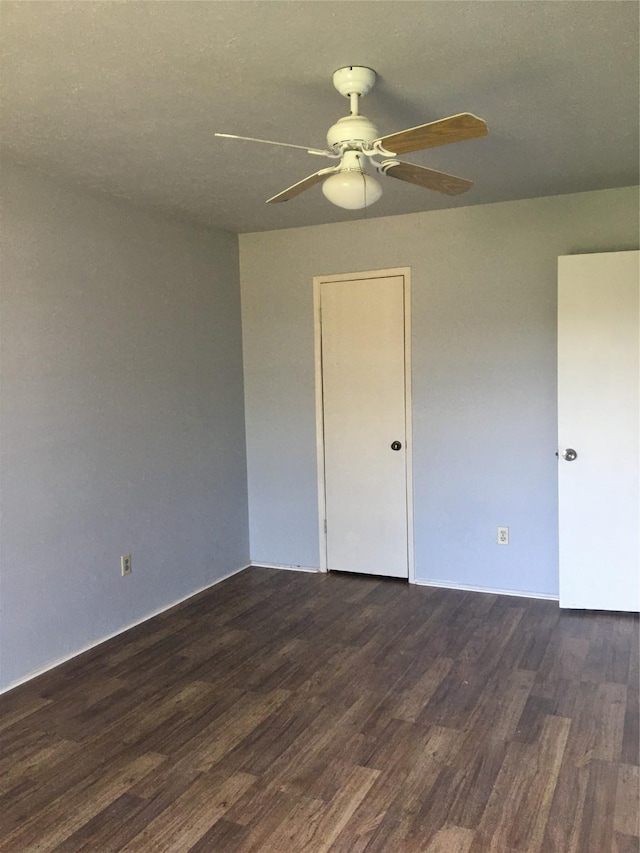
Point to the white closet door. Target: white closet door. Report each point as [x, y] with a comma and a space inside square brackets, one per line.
[598, 418]
[363, 388]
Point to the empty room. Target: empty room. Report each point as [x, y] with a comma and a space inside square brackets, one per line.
[320, 426]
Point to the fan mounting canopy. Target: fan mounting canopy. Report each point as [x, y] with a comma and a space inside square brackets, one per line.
[354, 80]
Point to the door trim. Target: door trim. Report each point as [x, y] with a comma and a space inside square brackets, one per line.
[318, 281]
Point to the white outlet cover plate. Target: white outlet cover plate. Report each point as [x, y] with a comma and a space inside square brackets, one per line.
[503, 536]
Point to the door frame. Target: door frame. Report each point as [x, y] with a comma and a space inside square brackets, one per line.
[318, 281]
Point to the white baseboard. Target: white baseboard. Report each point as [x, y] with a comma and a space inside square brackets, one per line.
[435, 583]
[260, 565]
[465, 588]
[53, 664]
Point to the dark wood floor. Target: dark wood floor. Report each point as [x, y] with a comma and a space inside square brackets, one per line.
[281, 712]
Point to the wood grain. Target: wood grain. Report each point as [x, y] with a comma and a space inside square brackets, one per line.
[297, 188]
[442, 132]
[290, 712]
[430, 179]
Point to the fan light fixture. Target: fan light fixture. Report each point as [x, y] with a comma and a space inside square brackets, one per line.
[354, 137]
[351, 188]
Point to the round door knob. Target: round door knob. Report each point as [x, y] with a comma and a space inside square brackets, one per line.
[396, 445]
[569, 454]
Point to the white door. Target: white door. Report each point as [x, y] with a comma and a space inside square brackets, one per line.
[363, 410]
[598, 418]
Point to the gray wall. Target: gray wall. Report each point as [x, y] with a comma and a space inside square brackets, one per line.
[122, 417]
[484, 377]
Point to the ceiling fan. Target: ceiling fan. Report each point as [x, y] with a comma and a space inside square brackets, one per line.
[355, 142]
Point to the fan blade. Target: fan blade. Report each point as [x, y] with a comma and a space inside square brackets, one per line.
[281, 144]
[301, 186]
[429, 178]
[452, 129]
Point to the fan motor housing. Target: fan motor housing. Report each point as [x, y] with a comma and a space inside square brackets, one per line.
[351, 131]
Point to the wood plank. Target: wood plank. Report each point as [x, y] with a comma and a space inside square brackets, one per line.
[597, 818]
[187, 819]
[598, 723]
[627, 812]
[452, 839]
[218, 738]
[313, 829]
[47, 829]
[567, 808]
[517, 811]
[625, 843]
[411, 701]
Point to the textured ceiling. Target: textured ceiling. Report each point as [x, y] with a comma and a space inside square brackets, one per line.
[124, 97]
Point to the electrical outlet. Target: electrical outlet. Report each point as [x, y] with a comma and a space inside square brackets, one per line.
[503, 536]
[125, 564]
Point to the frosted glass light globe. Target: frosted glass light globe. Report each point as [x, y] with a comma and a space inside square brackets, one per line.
[352, 190]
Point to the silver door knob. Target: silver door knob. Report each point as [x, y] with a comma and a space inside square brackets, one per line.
[569, 454]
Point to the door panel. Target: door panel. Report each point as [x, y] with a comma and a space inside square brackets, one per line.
[363, 393]
[598, 417]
